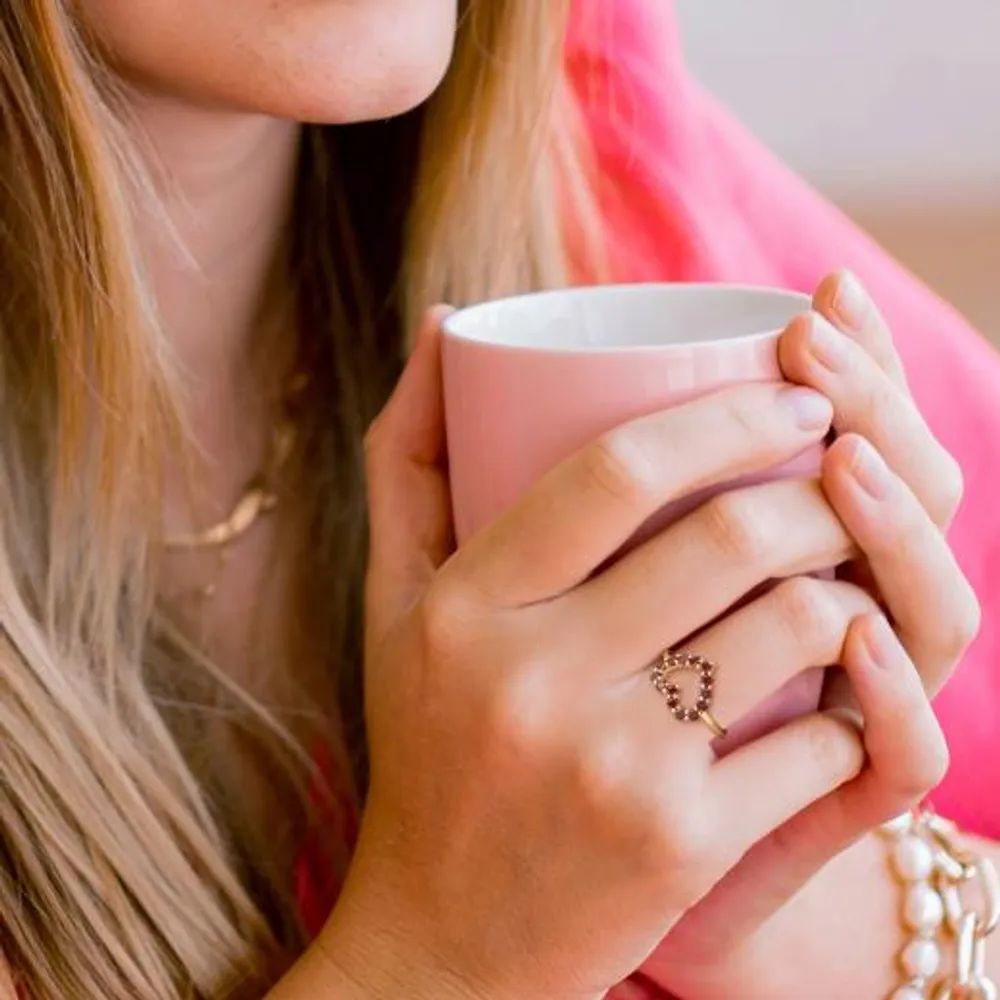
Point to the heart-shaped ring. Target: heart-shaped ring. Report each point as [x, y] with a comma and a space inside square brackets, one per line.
[663, 673]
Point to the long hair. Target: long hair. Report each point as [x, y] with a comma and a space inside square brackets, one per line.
[119, 868]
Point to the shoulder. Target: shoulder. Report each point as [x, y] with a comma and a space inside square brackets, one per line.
[631, 35]
[663, 191]
[624, 64]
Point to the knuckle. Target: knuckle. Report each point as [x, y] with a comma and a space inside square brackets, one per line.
[938, 760]
[933, 766]
[925, 769]
[683, 833]
[615, 467]
[445, 617]
[604, 772]
[519, 716]
[810, 613]
[950, 482]
[678, 842]
[963, 624]
[737, 527]
[664, 834]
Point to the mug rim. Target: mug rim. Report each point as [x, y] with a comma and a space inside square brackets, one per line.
[451, 332]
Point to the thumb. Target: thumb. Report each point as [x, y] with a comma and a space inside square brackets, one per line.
[408, 496]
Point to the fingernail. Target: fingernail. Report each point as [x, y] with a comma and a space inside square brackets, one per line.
[880, 642]
[870, 471]
[812, 410]
[851, 301]
[829, 346]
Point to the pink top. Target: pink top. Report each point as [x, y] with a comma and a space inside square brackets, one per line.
[690, 196]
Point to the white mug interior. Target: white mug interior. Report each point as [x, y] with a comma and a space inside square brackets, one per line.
[623, 317]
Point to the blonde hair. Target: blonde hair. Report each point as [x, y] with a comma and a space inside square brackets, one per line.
[117, 870]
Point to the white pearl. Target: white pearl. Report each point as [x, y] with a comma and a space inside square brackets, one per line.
[913, 859]
[920, 959]
[898, 825]
[923, 909]
[909, 993]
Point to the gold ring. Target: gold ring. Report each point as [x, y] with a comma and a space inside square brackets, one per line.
[662, 673]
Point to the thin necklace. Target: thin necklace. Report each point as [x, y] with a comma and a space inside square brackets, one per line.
[258, 497]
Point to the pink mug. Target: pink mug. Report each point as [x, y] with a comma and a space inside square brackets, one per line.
[529, 380]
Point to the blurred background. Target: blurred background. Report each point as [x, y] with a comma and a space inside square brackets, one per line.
[891, 107]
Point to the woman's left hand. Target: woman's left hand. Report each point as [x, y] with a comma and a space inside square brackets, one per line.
[844, 349]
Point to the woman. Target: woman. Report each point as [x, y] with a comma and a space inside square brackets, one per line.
[199, 294]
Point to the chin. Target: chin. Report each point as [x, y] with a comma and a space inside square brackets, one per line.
[322, 61]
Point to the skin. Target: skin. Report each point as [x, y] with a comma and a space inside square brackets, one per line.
[217, 87]
[305, 60]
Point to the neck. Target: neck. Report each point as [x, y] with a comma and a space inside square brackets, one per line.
[212, 241]
[211, 238]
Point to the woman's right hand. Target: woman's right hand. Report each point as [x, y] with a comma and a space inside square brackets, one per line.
[537, 819]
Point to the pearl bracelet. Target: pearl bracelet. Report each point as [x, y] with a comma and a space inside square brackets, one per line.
[933, 867]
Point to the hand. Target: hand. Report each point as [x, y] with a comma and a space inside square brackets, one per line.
[537, 819]
[895, 488]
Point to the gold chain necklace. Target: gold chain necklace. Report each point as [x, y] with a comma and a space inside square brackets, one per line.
[258, 497]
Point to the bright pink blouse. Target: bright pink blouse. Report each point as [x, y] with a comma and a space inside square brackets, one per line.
[689, 196]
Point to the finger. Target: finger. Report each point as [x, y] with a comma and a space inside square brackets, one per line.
[772, 643]
[907, 757]
[699, 567]
[929, 599]
[761, 786]
[583, 511]
[868, 402]
[408, 497]
[843, 300]
[800, 624]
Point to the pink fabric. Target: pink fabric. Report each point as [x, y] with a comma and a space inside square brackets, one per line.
[315, 878]
[689, 195]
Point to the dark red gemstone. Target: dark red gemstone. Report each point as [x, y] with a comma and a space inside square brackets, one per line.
[693, 715]
[680, 713]
[702, 704]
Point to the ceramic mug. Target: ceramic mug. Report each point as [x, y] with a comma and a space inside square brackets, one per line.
[529, 380]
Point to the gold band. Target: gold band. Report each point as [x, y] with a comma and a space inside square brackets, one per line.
[713, 723]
